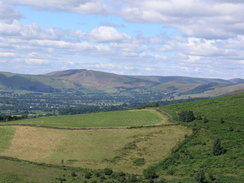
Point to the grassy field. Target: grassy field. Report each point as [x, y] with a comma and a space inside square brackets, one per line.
[6, 134]
[114, 148]
[102, 119]
[196, 152]
[12, 171]
[21, 172]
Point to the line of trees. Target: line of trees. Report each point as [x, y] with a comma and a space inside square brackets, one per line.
[5, 118]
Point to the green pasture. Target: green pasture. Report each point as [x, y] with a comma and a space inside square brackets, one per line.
[102, 119]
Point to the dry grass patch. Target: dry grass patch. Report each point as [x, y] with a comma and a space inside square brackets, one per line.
[33, 144]
[114, 148]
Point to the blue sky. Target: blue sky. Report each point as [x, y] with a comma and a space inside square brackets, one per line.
[200, 38]
[87, 22]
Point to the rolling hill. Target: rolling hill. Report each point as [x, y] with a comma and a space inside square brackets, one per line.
[81, 91]
[81, 79]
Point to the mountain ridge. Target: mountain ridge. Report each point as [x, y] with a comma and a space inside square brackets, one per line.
[81, 79]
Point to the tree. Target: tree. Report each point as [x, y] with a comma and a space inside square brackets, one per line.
[186, 116]
[217, 148]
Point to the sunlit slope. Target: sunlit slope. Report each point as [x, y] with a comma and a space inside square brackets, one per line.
[130, 118]
[225, 122]
[89, 81]
[230, 108]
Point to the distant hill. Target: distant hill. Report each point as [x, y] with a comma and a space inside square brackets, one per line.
[180, 85]
[101, 80]
[93, 81]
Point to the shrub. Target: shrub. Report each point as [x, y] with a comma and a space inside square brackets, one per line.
[221, 120]
[150, 173]
[132, 178]
[231, 129]
[139, 162]
[161, 180]
[205, 120]
[108, 171]
[200, 177]
[199, 117]
[186, 116]
[121, 174]
[97, 174]
[211, 177]
[171, 171]
[88, 175]
[217, 148]
[102, 178]
[73, 174]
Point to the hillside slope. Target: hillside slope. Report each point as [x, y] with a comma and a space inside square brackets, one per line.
[101, 80]
[80, 79]
[225, 122]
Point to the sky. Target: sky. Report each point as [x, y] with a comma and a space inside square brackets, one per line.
[197, 38]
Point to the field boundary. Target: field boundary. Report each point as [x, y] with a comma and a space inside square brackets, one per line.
[162, 112]
[42, 164]
[95, 128]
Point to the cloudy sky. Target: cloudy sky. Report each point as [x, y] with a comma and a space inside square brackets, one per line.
[199, 38]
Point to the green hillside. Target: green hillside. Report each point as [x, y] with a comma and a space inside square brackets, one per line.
[34, 83]
[101, 119]
[226, 122]
[81, 79]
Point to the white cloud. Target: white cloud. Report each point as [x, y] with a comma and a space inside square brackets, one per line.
[35, 61]
[8, 12]
[7, 54]
[200, 18]
[107, 34]
[212, 43]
